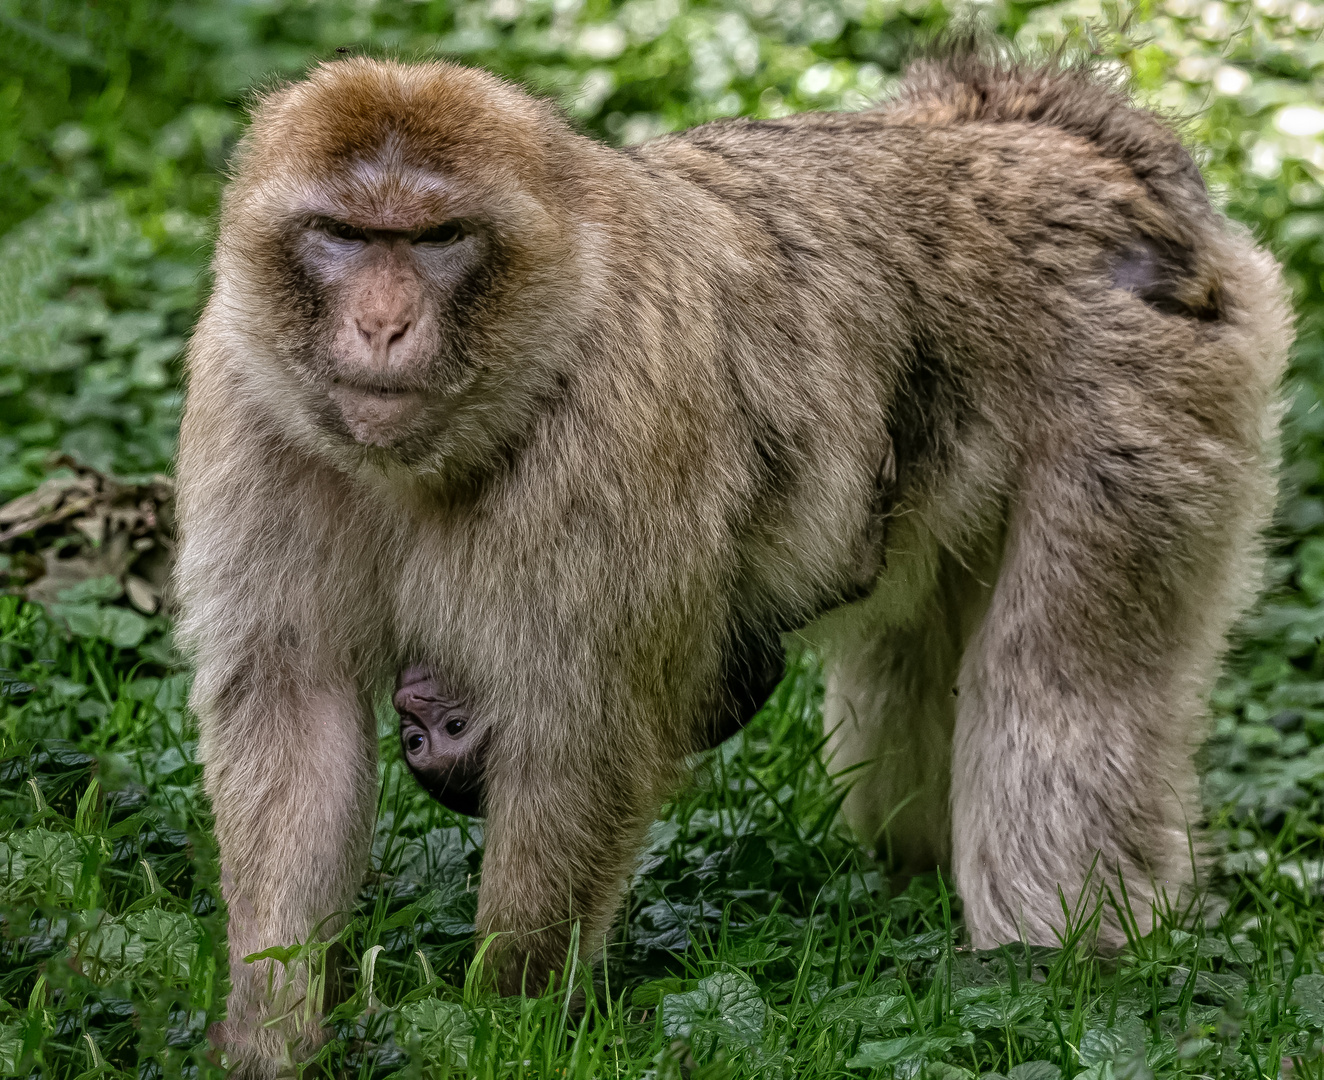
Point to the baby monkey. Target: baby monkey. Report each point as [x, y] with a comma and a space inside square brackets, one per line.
[444, 745]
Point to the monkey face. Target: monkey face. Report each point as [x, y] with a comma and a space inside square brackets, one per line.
[444, 746]
[386, 340]
[402, 263]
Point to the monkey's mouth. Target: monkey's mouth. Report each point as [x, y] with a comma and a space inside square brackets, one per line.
[376, 416]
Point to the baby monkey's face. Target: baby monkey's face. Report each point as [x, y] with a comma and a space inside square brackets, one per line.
[444, 745]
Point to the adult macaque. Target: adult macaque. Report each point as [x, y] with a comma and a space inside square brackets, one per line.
[975, 386]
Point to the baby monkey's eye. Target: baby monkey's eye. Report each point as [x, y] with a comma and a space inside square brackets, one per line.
[445, 233]
[414, 743]
[454, 727]
[341, 231]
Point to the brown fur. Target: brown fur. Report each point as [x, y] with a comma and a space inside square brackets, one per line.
[975, 385]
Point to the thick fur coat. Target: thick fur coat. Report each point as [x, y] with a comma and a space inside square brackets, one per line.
[975, 388]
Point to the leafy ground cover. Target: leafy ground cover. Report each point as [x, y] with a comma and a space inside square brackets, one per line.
[757, 940]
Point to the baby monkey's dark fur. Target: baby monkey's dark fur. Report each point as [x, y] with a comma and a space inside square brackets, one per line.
[975, 390]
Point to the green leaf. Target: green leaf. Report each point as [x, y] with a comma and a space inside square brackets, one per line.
[1005, 1012]
[440, 1030]
[1035, 1070]
[92, 590]
[39, 862]
[650, 994]
[889, 1010]
[1219, 987]
[11, 1048]
[927, 946]
[908, 1048]
[945, 1070]
[1100, 1045]
[174, 758]
[168, 938]
[875, 1055]
[1308, 997]
[120, 626]
[726, 1006]
[153, 942]
[281, 953]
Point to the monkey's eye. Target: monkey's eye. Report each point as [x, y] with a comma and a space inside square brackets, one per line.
[414, 743]
[445, 233]
[342, 231]
[454, 727]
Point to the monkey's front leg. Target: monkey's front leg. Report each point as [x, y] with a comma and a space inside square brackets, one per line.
[292, 778]
[563, 824]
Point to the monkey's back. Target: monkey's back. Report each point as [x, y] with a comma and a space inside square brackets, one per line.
[978, 179]
[1031, 230]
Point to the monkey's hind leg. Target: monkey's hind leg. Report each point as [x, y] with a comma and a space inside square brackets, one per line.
[1131, 546]
[890, 666]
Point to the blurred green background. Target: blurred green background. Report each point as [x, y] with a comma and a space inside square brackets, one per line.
[116, 119]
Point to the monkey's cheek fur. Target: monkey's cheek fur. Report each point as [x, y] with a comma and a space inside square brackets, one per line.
[377, 419]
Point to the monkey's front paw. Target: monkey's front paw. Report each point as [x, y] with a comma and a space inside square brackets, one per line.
[256, 1052]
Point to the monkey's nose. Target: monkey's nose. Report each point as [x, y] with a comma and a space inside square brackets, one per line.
[380, 335]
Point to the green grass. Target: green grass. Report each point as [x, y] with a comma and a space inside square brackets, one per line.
[757, 940]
